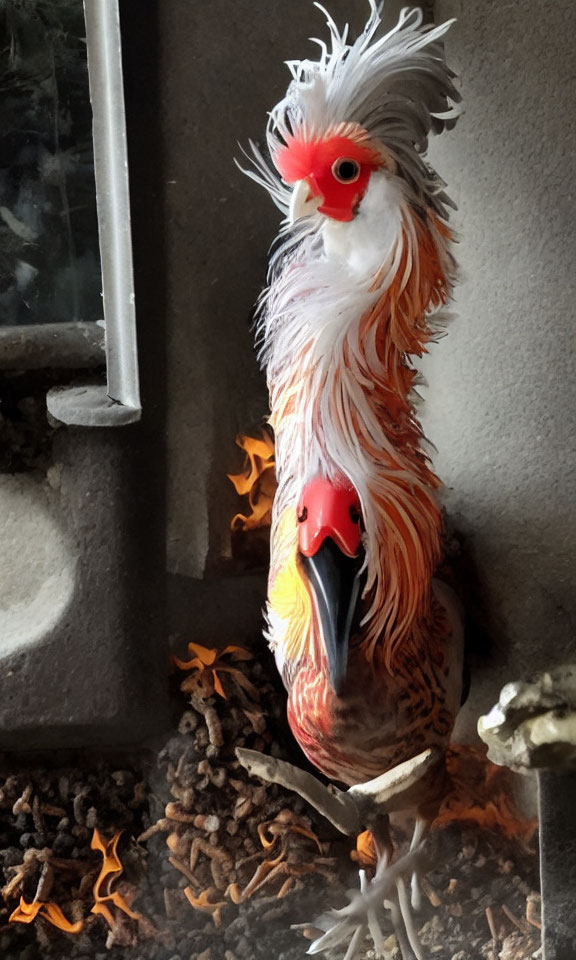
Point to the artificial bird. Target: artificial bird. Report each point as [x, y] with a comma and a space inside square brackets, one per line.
[368, 642]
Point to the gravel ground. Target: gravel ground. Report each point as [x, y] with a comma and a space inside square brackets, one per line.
[218, 867]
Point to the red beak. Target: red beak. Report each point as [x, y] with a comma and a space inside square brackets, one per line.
[329, 509]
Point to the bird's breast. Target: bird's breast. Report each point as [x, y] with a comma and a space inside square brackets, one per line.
[380, 719]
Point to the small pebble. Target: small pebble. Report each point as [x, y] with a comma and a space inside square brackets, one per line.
[188, 722]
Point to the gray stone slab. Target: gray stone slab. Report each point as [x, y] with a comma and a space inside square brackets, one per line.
[83, 658]
[500, 406]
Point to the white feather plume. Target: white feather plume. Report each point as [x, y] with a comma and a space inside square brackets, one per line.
[398, 87]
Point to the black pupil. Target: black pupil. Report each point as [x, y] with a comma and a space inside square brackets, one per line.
[347, 170]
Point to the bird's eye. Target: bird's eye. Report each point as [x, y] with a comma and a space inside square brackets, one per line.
[346, 170]
[354, 514]
[303, 515]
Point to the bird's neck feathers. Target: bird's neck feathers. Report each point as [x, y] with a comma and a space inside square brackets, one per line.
[338, 326]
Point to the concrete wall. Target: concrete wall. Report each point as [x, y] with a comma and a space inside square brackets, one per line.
[82, 633]
[501, 403]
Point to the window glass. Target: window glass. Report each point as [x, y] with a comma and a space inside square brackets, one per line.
[49, 260]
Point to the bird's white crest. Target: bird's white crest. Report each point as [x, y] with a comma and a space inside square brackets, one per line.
[397, 87]
[394, 84]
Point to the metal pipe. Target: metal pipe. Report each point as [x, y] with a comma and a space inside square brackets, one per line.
[557, 815]
[113, 200]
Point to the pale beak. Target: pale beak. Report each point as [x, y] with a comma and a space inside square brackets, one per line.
[302, 202]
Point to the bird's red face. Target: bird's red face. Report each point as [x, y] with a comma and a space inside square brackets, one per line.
[336, 170]
[329, 509]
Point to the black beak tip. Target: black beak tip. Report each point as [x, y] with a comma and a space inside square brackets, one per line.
[335, 581]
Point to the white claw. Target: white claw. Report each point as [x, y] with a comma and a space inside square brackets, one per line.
[375, 932]
[348, 926]
[415, 893]
[352, 951]
[398, 925]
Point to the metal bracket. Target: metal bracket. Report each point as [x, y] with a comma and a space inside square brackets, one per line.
[89, 405]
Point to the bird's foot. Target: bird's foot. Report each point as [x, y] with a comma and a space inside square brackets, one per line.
[349, 810]
[384, 900]
[366, 804]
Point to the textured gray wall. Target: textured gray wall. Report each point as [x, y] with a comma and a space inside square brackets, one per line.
[501, 403]
[82, 634]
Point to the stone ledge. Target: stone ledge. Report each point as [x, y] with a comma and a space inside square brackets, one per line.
[60, 346]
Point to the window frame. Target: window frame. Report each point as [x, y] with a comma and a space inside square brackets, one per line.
[118, 402]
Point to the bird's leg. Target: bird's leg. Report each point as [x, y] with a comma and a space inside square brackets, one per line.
[383, 845]
[349, 810]
[338, 806]
[398, 904]
[421, 828]
[384, 849]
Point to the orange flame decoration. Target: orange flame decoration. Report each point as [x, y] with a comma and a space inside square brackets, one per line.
[481, 794]
[207, 664]
[110, 871]
[257, 480]
[27, 912]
